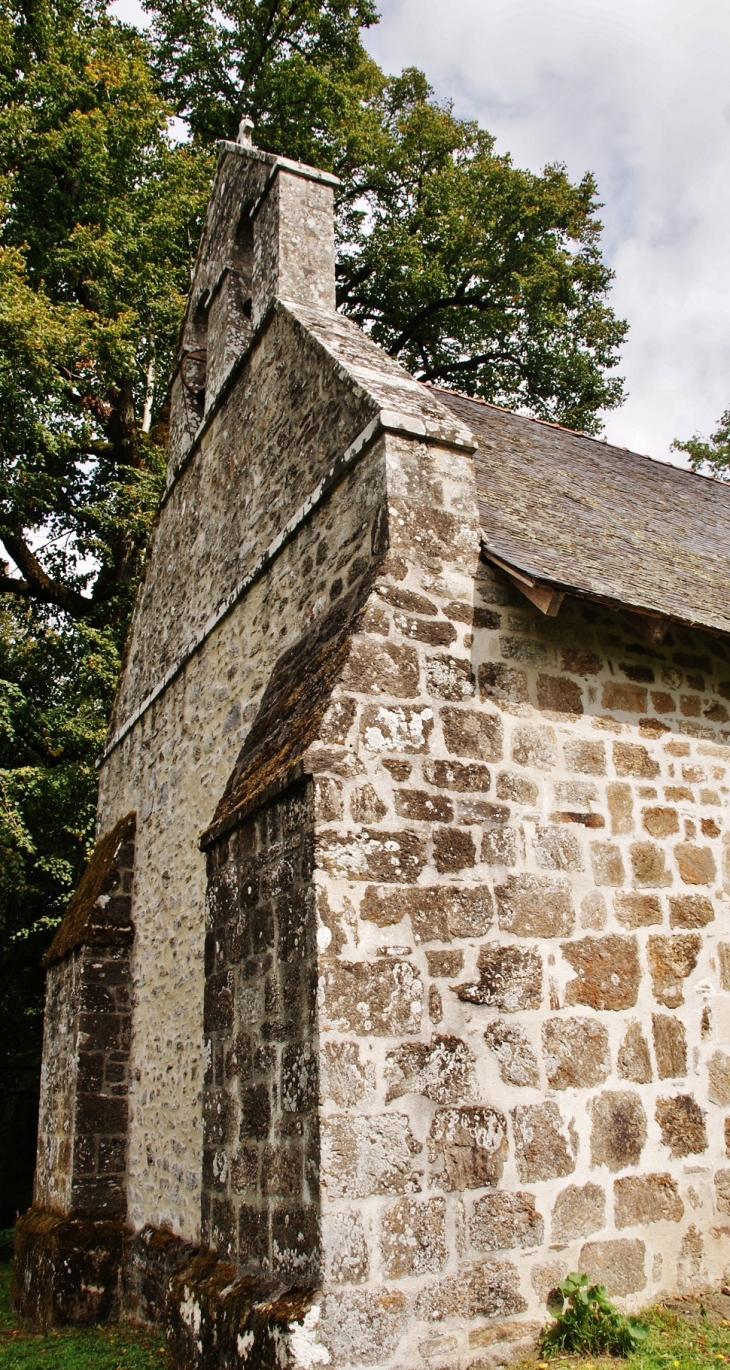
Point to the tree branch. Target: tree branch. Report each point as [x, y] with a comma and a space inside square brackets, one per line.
[40, 585]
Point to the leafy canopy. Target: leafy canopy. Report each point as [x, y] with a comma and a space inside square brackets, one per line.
[711, 458]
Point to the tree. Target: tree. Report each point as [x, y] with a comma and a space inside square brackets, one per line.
[476, 275]
[99, 217]
[711, 458]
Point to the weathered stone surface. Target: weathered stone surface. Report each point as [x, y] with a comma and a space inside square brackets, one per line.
[718, 1071]
[618, 1129]
[381, 998]
[660, 822]
[368, 1155]
[634, 1062]
[670, 1046]
[534, 745]
[546, 1276]
[338, 720]
[575, 1052]
[510, 979]
[449, 677]
[490, 1289]
[500, 1221]
[690, 1273]
[607, 971]
[361, 1326]
[535, 906]
[682, 1124]
[445, 963]
[437, 912]
[474, 809]
[377, 667]
[630, 758]
[505, 685]
[587, 758]
[618, 1265]
[512, 785]
[442, 1070]
[723, 958]
[517, 1339]
[607, 863]
[412, 1238]
[517, 1059]
[544, 1148]
[648, 865]
[345, 1248]
[457, 775]
[722, 1191]
[66, 1271]
[344, 1077]
[453, 850]
[671, 960]
[690, 911]
[395, 728]
[373, 854]
[500, 847]
[557, 849]
[425, 630]
[593, 911]
[467, 1147]
[467, 733]
[328, 807]
[619, 798]
[578, 1211]
[400, 770]
[696, 864]
[640, 1199]
[422, 807]
[366, 806]
[401, 598]
[626, 698]
[637, 910]
[556, 694]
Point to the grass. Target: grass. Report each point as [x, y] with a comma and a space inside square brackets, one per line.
[117, 1347]
[684, 1334]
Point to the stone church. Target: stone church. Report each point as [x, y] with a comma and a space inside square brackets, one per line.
[398, 984]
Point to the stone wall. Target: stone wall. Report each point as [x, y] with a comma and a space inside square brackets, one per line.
[174, 764]
[261, 1154]
[522, 875]
[82, 1130]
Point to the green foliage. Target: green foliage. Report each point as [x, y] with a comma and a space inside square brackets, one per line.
[710, 458]
[587, 1323]
[473, 273]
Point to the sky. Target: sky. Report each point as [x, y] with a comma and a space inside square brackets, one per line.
[636, 91]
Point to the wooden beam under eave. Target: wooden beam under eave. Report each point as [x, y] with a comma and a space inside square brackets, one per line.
[547, 599]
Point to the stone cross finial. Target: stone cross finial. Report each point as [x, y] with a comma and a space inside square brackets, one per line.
[245, 132]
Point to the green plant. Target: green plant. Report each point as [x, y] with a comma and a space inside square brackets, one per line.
[586, 1322]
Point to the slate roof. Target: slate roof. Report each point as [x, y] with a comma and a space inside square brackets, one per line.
[600, 520]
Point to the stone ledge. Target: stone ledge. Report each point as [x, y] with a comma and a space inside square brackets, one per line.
[67, 1270]
[216, 1317]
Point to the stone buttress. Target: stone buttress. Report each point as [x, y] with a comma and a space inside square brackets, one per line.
[437, 1008]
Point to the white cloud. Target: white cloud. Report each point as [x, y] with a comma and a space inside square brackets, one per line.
[636, 91]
